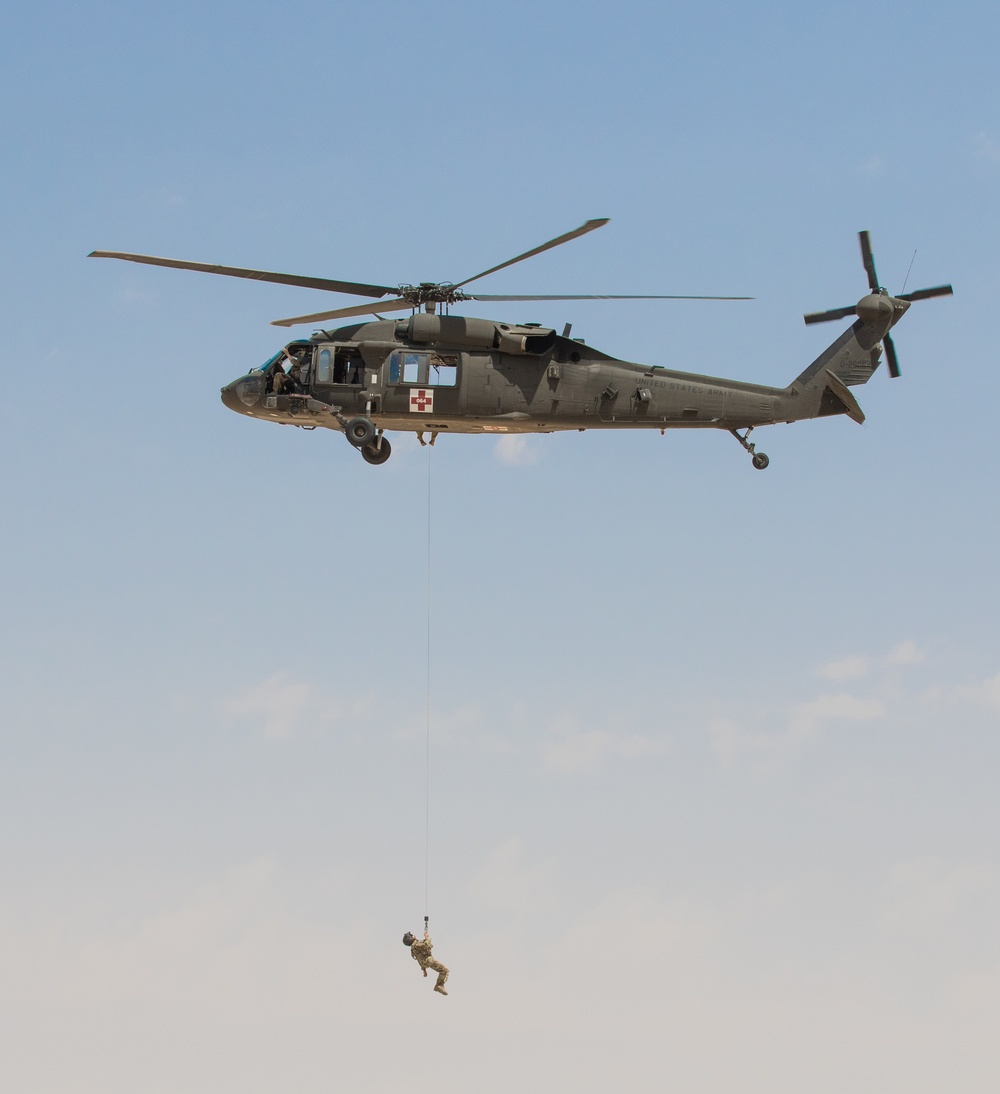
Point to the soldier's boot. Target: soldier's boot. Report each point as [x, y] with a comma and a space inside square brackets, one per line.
[440, 988]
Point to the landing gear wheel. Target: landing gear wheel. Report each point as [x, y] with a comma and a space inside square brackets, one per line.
[360, 431]
[760, 461]
[377, 452]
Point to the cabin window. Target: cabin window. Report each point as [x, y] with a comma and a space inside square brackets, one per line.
[408, 368]
[423, 369]
[443, 373]
[324, 367]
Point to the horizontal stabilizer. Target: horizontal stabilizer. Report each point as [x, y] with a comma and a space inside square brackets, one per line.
[836, 388]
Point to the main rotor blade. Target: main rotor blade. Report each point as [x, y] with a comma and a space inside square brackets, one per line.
[352, 287]
[826, 316]
[582, 230]
[480, 296]
[926, 294]
[343, 313]
[869, 261]
[890, 356]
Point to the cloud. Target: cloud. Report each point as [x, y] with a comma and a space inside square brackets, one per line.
[906, 653]
[857, 666]
[516, 451]
[921, 896]
[281, 705]
[987, 147]
[984, 694]
[575, 751]
[465, 726]
[265, 983]
[134, 296]
[733, 743]
[874, 165]
[730, 742]
[755, 738]
[805, 718]
[846, 668]
[237, 951]
[506, 882]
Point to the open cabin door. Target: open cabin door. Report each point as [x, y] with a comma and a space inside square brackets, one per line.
[339, 366]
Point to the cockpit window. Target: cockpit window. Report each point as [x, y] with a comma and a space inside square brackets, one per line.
[269, 362]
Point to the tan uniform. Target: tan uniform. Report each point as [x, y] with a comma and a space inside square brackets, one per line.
[420, 951]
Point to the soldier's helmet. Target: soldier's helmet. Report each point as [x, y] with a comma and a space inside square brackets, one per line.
[408, 939]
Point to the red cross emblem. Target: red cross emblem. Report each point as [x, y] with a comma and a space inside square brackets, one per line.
[422, 400]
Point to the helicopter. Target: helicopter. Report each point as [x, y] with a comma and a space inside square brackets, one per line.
[434, 372]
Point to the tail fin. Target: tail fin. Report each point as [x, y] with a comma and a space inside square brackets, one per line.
[852, 359]
[823, 388]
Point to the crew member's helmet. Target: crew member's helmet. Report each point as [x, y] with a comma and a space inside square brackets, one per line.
[408, 939]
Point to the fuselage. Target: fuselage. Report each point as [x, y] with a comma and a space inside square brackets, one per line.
[433, 373]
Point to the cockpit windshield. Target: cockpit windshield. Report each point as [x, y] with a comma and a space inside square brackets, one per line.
[269, 362]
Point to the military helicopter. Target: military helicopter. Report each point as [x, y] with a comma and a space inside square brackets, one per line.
[432, 373]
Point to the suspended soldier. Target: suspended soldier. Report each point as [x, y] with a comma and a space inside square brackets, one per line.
[420, 951]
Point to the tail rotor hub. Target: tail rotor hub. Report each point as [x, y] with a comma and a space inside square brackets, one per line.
[877, 308]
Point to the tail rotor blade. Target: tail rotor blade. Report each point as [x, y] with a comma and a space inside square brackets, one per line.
[869, 261]
[827, 316]
[926, 294]
[890, 356]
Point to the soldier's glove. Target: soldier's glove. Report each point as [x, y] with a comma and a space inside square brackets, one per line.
[425, 972]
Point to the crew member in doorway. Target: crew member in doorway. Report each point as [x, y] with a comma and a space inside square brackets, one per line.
[421, 953]
[286, 383]
[294, 380]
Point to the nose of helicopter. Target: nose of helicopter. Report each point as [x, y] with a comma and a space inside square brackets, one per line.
[229, 396]
[242, 394]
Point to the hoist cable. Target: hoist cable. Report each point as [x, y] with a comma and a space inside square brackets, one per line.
[427, 741]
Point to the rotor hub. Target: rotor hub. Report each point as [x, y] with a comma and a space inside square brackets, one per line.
[429, 292]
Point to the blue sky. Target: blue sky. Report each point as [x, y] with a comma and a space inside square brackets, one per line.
[713, 751]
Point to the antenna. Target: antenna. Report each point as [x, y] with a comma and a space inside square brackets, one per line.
[908, 268]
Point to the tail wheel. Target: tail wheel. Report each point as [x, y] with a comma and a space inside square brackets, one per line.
[760, 461]
[377, 452]
[360, 432]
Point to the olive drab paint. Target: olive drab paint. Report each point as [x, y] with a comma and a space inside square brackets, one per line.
[432, 373]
